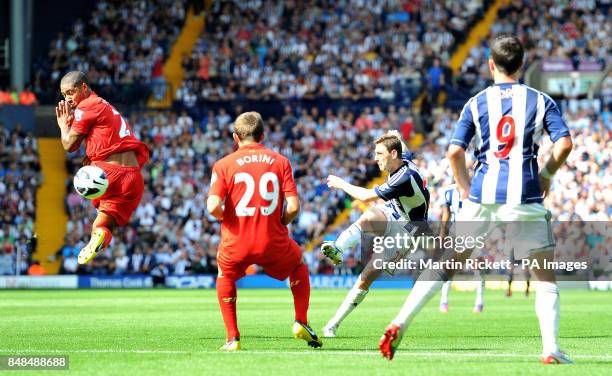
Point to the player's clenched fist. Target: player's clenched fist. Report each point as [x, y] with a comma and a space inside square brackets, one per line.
[334, 181]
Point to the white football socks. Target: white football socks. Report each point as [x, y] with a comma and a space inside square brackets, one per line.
[421, 293]
[547, 309]
[348, 238]
[445, 289]
[480, 286]
[351, 301]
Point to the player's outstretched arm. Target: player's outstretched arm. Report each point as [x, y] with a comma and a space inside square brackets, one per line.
[214, 205]
[292, 208]
[71, 140]
[561, 149]
[456, 156]
[362, 194]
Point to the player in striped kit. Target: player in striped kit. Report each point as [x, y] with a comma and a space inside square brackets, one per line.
[452, 204]
[406, 199]
[507, 120]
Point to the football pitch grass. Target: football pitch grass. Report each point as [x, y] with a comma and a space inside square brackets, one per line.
[154, 332]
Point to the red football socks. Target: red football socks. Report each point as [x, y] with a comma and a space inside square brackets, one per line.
[300, 288]
[226, 293]
[108, 236]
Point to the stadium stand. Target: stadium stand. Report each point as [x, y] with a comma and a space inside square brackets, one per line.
[260, 51]
[19, 179]
[262, 54]
[577, 31]
[122, 47]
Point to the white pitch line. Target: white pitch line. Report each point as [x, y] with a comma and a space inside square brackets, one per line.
[300, 353]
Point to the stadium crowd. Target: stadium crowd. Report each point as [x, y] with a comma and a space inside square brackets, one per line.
[122, 46]
[343, 49]
[24, 97]
[19, 179]
[575, 30]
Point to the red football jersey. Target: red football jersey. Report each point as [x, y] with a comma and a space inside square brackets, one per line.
[254, 182]
[106, 130]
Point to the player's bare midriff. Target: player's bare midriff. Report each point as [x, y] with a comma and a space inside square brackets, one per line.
[125, 158]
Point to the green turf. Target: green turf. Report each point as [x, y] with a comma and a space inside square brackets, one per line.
[156, 332]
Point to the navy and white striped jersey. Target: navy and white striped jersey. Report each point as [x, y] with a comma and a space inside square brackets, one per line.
[405, 192]
[507, 121]
[452, 200]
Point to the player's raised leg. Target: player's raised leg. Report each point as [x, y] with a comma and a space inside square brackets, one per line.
[101, 236]
[547, 306]
[373, 221]
[347, 239]
[126, 187]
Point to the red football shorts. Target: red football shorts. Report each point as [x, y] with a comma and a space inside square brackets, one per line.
[278, 263]
[125, 189]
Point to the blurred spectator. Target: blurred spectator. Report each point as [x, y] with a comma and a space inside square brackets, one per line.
[309, 221]
[69, 265]
[120, 262]
[577, 31]
[7, 97]
[435, 76]
[182, 265]
[27, 97]
[136, 260]
[121, 46]
[7, 265]
[19, 180]
[101, 264]
[67, 254]
[36, 269]
[159, 274]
